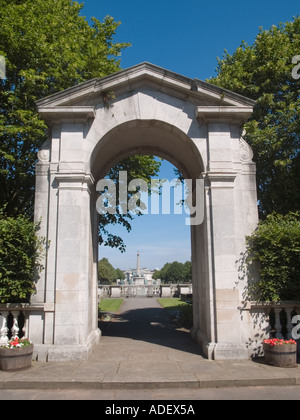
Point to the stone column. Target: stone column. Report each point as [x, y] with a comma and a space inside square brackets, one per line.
[74, 328]
[41, 214]
[138, 265]
[39, 319]
[223, 244]
[203, 330]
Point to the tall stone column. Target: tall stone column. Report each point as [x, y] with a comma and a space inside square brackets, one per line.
[42, 316]
[138, 271]
[75, 282]
[41, 213]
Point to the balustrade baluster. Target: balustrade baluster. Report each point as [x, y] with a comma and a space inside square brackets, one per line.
[3, 329]
[26, 324]
[278, 326]
[15, 327]
[267, 327]
[289, 325]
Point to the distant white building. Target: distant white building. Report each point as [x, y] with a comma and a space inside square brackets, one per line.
[145, 277]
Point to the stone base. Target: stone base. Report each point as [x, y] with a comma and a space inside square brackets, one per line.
[206, 346]
[230, 351]
[220, 351]
[76, 352]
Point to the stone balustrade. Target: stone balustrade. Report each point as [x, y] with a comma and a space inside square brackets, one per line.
[15, 320]
[279, 317]
[270, 320]
[163, 290]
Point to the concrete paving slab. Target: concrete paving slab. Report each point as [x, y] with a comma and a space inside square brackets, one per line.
[152, 367]
[200, 367]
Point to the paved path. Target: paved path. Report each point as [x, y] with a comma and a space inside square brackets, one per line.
[142, 351]
[143, 322]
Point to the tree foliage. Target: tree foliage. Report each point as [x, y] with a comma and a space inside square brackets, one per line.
[136, 167]
[263, 72]
[48, 46]
[107, 274]
[120, 274]
[275, 245]
[20, 254]
[175, 272]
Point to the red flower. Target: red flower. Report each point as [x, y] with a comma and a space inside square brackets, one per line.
[278, 342]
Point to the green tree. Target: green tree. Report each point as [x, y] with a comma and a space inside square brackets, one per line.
[188, 271]
[275, 245]
[106, 272]
[141, 167]
[48, 46]
[175, 272]
[156, 275]
[120, 274]
[263, 72]
[20, 252]
[162, 273]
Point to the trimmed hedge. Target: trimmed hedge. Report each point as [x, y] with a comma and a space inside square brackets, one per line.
[20, 252]
[275, 244]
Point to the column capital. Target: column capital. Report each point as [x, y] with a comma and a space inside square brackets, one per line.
[75, 181]
[220, 179]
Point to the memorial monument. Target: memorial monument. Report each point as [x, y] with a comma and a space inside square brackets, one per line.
[195, 125]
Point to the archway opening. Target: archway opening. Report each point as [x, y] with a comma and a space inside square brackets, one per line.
[146, 137]
[160, 233]
[169, 143]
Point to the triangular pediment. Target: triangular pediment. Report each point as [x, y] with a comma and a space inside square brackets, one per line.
[82, 99]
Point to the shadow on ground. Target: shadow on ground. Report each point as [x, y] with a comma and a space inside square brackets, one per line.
[152, 325]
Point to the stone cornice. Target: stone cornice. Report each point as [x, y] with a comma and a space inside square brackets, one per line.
[66, 114]
[230, 114]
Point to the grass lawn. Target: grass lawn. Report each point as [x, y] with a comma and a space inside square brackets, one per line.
[172, 304]
[110, 305]
[184, 310]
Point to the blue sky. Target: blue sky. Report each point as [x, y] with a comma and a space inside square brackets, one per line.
[185, 37]
[160, 238]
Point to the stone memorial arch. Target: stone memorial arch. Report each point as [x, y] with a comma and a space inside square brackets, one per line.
[142, 110]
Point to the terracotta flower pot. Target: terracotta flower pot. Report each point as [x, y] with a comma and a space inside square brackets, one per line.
[281, 355]
[16, 359]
